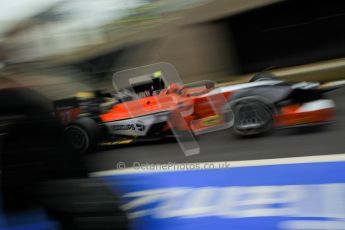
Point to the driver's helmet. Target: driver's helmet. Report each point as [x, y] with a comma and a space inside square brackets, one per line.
[174, 88]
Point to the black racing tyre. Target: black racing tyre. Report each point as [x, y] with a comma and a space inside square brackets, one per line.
[83, 134]
[252, 117]
[263, 76]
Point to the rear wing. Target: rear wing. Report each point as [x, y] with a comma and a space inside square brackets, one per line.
[67, 110]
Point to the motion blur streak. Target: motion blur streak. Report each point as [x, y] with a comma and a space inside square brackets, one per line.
[258, 80]
[322, 201]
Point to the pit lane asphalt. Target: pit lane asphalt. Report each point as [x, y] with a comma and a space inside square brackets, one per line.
[223, 146]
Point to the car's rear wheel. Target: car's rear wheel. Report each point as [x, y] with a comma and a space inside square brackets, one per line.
[82, 135]
[252, 118]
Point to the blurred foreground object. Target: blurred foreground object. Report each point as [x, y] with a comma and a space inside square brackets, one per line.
[37, 167]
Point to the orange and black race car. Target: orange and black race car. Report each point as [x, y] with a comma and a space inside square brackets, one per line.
[247, 109]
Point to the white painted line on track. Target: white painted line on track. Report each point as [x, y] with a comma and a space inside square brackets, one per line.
[220, 164]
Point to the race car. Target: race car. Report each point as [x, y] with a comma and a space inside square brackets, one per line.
[247, 109]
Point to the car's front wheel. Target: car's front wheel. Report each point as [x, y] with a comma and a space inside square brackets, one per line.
[252, 118]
